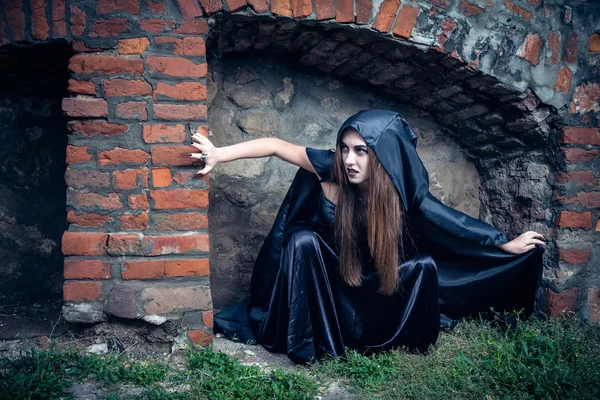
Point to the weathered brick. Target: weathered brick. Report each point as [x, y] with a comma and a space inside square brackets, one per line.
[259, 6]
[186, 46]
[79, 46]
[120, 156]
[15, 18]
[110, 202]
[126, 87]
[194, 27]
[133, 46]
[571, 48]
[179, 199]
[108, 27]
[281, 7]
[124, 244]
[583, 178]
[147, 269]
[130, 178]
[579, 155]
[344, 10]
[86, 269]
[207, 319]
[199, 337]
[577, 135]
[573, 256]
[517, 10]
[78, 21]
[559, 304]
[110, 6]
[177, 67]
[440, 3]
[135, 222]
[156, 6]
[469, 9]
[211, 6]
[85, 107]
[235, 5]
[530, 49]
[594, 44]
[77, 154]
[563, 80]
[553, 47]
[59, 11]
[96, 127]
[197, 267]
[593, 302]
[83, 243]
[386, 15]
[572, 219]
[157, 25]
[83, 63]
[180, 112]
[135, 110]
[364, 9]
[86, 219]
[161, 177]
[167, 300]
[81, 291]
[138, 202]
[82, 87]
[122, 301]
[172, 156]
[189, 8]
[405, 22]
[180, 222]
[163, 133]
[40, 29]
[83, 178]
[586, 98]
[184, 177]
[163, 245]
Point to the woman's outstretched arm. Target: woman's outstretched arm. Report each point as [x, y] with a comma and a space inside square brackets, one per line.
[256, 148]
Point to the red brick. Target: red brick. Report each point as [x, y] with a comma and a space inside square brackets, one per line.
[594, 45]
[135, 110]
[576, 135]
[83, 243]
[200, 338]
[108, 27]
[86, 64]
[259, 6]
[563, 80]
[593, 302]
[135, 222]
[211, 6]
[134, 45]
[180, 222]
[79, 46]
[80, 291]
[189, 8]
[385, 16]
[571, 48]
[156, 6]
[163, 133]
[179, 199]
[235, 5]
[440, 3]
[448, 26]
[180, 91]
[124, 244]
[572, 219]
[588, 199]
[405, 22]
[197, 267]
[517, 10]
[583, 178]
[82, 177]
[86, 269]
[530, 49]
[15, 18]
[195, 27]
[573, 256]
[586, 98]
[77, 154]
[181, 112]
[138, 202]
[87, 219]
[179, 67]
[78, 21]
[130, 178]
[40, 29]
[344, 10]
[364, 9]
[281, 7]
[579, 155]
[82, 87]
[165, 300]
[186, 46]
[110, 202]
[598, 225]
[85, 107]
[157, 25]
[110, 6]
[207, 319]
[469, 9]
[559, 304]
[183, 177]
[126, 87]
[553, 47]
[59, 11]
[96, 127]
[143, 270]
[118, 156]
[161, 177]
[171, 156]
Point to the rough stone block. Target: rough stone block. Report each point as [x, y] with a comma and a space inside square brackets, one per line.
[121, 302]
[84, 313]
[167, 300]
[559, 304]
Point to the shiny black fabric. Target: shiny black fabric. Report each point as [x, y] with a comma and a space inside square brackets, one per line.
[298, 303]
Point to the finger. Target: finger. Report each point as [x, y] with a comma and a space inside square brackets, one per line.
[205, 170]
[201, 147]
[536, 241]
[195, 155]
[198, 138]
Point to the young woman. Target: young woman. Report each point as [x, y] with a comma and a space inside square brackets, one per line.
[362, 256]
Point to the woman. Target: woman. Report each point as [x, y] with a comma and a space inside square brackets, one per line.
[361, 255]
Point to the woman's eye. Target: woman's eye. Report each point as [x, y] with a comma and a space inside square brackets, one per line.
[361, 151]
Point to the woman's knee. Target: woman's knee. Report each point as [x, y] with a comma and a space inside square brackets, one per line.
[423, 265]
[301, 235]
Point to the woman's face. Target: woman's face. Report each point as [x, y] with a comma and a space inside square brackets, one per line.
[355, 154]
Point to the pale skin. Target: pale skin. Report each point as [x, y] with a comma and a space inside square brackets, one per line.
[355, 154]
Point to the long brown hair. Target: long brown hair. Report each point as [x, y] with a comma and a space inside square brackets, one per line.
[385, 225]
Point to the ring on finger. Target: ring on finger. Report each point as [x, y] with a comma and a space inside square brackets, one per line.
[204, 157]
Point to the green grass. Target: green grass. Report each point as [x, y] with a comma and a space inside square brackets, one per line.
[535, 359]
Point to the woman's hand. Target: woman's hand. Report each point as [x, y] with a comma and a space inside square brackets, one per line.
[209, 154]
[523, 243]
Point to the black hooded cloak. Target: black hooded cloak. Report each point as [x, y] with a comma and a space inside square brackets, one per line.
[299, 304]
